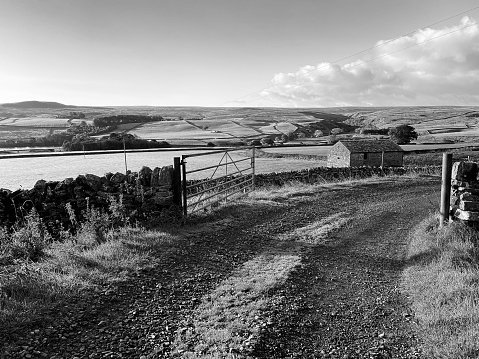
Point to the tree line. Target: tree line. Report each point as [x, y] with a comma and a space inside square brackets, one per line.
[121, 119]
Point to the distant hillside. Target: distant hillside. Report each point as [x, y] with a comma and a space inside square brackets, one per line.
[34, 104]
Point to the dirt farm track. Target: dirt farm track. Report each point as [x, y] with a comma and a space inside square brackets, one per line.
[341, 300]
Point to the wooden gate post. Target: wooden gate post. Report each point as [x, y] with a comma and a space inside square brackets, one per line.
[183, 186]
[177, 181]
[445, 187]
[253, 167]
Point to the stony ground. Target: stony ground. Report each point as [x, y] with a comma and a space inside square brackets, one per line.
[342, 302]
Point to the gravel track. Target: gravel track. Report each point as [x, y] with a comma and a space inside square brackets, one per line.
[342, 302]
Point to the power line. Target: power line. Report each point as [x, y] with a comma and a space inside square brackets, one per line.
[358, 53]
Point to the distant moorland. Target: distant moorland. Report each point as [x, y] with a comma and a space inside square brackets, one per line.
[34, 123]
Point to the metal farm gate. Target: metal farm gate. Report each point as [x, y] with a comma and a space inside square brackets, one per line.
[215, 177]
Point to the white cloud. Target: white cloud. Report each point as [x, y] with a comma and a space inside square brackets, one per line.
[444, 70]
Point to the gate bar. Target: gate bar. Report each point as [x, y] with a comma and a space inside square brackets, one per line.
[214, 187]
[209, 180]
[214, 152]
[224, 191]
[216, 166]
[219, 200]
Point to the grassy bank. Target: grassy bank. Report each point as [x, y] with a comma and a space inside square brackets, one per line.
[442, 283]
[36, 271]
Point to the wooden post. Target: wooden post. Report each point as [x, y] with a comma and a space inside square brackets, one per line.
[183, 186]
[177, 181]
[124, 152]
[253, 166]
[445, 187]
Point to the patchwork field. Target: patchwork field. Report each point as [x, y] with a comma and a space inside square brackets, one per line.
[204, 124]
[174, 130]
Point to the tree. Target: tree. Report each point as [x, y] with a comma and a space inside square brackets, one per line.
[332, 139]
[402, 134]
[284, 137]
[318, 133]
[336, 131]
[265, 141]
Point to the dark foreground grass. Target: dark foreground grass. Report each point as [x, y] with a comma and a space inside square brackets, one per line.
[442, 282]
[37, 271]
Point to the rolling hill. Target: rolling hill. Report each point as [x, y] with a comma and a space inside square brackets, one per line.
[35, 104]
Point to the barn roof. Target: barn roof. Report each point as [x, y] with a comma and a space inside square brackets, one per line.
[371, 146]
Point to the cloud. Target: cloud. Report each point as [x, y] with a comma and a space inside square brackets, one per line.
[429, 67]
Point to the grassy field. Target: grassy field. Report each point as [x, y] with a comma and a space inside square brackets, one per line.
[24, 172]
[16, 132]
[35, 122]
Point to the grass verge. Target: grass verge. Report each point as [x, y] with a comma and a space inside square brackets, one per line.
[442, 283]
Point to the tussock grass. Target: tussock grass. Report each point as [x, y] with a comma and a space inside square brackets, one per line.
[443, 285]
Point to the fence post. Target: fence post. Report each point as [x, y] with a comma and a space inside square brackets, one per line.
[445, 187]
[183, 186]
[253, 167]
[177, 181]
[124, 152]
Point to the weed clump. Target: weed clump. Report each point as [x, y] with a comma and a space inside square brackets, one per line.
[29, 237]
[26, 241]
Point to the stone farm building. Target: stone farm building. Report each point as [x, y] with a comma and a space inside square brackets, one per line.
[373, 153]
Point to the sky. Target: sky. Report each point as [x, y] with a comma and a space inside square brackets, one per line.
[281, 53]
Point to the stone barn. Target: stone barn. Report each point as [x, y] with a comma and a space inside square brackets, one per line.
[373, 153]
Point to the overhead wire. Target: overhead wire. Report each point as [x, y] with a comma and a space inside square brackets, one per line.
[358, 53]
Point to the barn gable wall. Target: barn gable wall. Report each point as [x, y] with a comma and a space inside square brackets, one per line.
[338, 156]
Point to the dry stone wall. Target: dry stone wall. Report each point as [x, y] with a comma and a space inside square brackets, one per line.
[329, 174]
[465, 193]
[144, 194]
